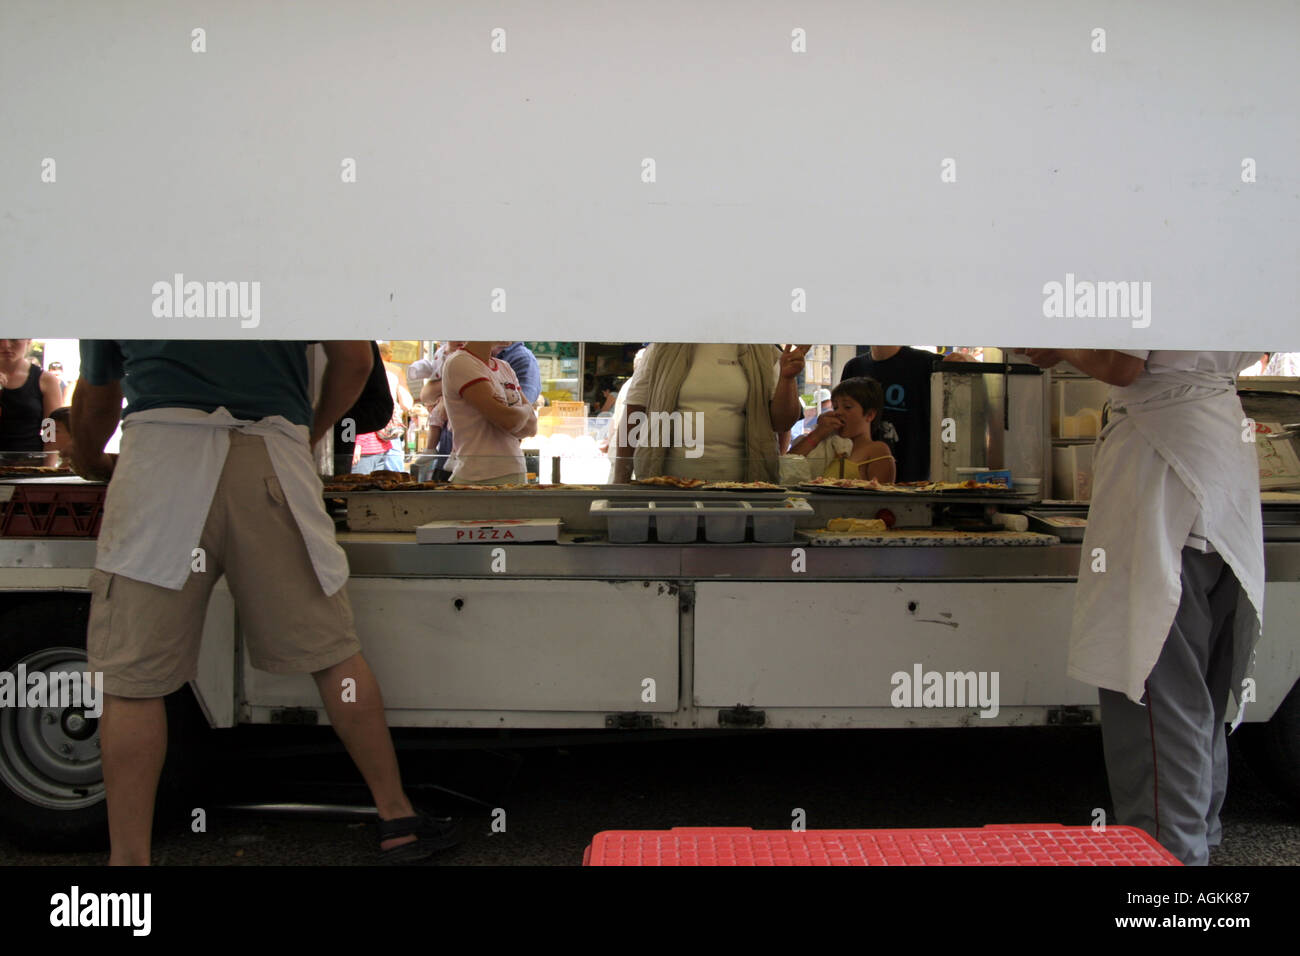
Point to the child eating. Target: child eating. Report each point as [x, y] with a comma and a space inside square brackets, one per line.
[841, 446]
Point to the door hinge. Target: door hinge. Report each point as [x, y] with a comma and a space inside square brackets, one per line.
[1069, 716]
[301, 716]
[741, 716]
[631, 721]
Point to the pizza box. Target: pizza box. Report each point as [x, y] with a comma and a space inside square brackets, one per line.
[488, 531]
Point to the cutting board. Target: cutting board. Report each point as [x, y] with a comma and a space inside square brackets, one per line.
[927, 537]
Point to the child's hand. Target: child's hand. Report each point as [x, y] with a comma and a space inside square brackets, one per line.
[829, 424]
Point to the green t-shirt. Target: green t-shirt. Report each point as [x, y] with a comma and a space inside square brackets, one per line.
[252, 380]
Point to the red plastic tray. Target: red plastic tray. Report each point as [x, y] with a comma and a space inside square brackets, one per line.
[53, 510]
[1030, 844]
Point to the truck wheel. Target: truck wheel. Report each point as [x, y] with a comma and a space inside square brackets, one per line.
[51, 780]
[1273, 748]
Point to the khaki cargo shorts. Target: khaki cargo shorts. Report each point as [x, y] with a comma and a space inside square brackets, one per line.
[145, 638]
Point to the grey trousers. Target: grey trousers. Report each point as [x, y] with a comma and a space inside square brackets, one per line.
[1167, 762]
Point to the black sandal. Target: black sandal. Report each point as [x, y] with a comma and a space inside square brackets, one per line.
[433, 835]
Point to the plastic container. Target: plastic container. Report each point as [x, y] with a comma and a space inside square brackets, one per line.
[774, 521]
[725, 521]
[996, 476]
[1072, 472]
[1076, 407]
[676, 522]
[51, 509]
[1033, 487]
[1040, 844]
[628, 522]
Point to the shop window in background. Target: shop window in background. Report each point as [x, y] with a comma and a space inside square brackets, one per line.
[558, 363]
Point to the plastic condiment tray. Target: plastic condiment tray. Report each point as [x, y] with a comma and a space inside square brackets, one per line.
[677, 521]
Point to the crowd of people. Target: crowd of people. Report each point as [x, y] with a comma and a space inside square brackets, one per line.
[216, 454]
[745, 397]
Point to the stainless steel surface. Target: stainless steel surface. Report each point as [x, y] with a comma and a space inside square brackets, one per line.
[1041, 520]
[1282, 524]
[47, 553]
[999, 414]
[398, 555]
[402, 511]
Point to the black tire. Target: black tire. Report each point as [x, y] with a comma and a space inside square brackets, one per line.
[1273, 748]
[52, 800]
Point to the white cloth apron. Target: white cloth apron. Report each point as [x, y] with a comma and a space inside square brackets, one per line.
[1173, 450]
[164, 482]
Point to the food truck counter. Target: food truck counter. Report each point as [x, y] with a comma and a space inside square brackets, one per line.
[398, 555]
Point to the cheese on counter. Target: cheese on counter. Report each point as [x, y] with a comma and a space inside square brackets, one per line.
[856, 525]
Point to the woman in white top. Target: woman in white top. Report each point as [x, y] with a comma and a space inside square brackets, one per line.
[709, 411]
[488, 415]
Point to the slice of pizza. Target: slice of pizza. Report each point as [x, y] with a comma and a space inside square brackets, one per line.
[388, 475]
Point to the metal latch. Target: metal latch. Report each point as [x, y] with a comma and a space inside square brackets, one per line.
[1069, 716]
[741, 716]
[302, 716]
[630, 721]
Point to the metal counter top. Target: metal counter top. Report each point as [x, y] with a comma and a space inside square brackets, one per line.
[398, 555]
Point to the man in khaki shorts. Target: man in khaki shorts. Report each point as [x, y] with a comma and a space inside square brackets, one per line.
[215, 477]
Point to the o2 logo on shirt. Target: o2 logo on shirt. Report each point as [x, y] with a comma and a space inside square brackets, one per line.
[894, 396]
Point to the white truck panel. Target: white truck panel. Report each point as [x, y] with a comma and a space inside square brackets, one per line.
[512, 646]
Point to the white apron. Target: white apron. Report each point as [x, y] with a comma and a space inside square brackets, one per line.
[162, 489]
[1173, 450]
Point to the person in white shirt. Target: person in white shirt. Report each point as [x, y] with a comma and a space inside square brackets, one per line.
[734, 401]
[488, 415]
[1169, 604]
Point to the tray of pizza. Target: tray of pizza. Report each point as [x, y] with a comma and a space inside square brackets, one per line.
[868, 533]
[669, 482]
[865, 486]
[746, 487]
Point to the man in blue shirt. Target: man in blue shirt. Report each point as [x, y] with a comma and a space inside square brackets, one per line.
[216, 477]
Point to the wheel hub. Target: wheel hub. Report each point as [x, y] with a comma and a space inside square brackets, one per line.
[49, 756]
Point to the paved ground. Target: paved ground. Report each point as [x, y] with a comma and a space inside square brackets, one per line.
[556, 797]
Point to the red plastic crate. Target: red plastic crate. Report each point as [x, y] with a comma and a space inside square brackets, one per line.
[38, 510]
[1029, 844]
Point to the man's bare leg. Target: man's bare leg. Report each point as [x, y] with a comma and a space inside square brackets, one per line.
[133, 746]
[363, 729]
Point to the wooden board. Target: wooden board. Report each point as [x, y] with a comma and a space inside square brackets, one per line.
[927, 537]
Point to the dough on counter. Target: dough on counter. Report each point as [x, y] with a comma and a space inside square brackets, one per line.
[856, 525]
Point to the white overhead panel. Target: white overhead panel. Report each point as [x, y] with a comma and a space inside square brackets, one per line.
[919, 172]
